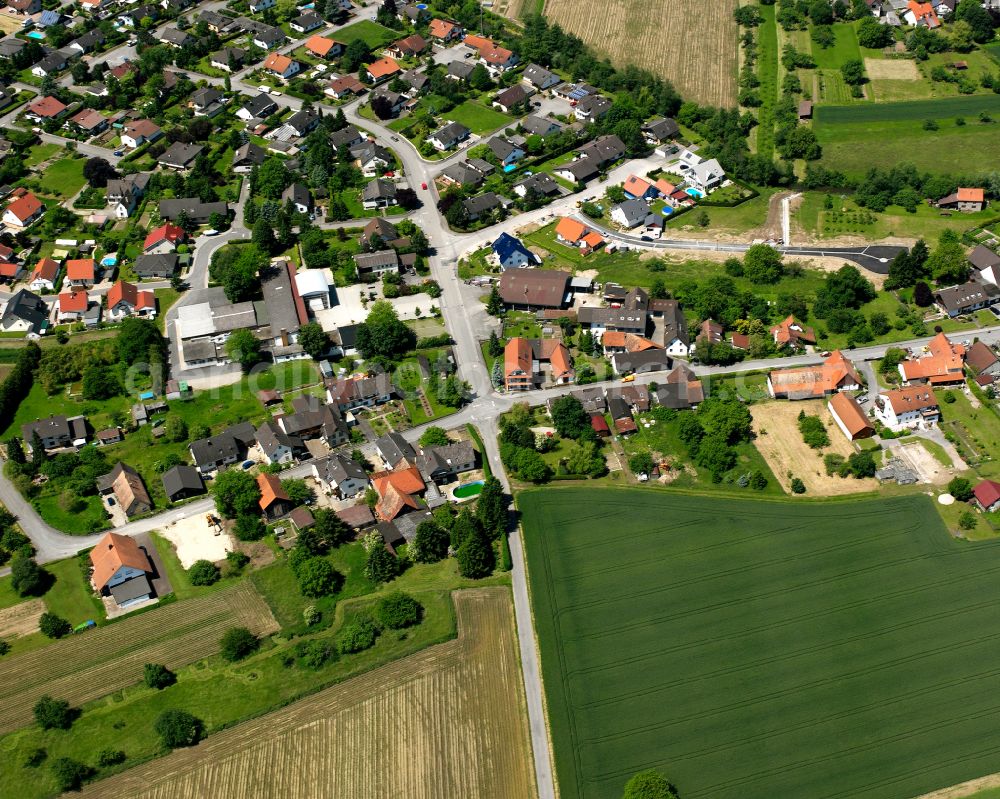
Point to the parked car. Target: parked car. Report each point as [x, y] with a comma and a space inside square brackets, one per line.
[424, 186]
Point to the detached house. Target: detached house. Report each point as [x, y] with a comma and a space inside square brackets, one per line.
[24, 211]
[137, 133]
[81, 272]
[573, 233]
[449, 136]
[281, 65]
[965, 200]
[274, 500]
[790, 333]
[382, 70]
[164, 239]
[125, 299]
[410, 47]
[908, 407]
[986, 495]
[510, 252]
[121, 569]
[323, 47]
[340, 476]
[72, 306]
[43, 277]
[56, 432]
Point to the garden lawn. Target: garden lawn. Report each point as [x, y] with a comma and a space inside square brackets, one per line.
[767, 71]
[371, 33]
[845, 649]
[64, 178]
[40, 152]
[845, 48]
[71, 596]
[477, 117]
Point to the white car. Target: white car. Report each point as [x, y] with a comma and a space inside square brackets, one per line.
[211, 232]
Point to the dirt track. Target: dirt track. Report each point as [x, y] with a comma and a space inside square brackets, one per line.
[781, 444]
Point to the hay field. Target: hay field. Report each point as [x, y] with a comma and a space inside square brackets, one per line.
[447, 722]
[98, 662]
[762, 649]
[781, 444]
[891, 69]
[691, 43]
[21, 619]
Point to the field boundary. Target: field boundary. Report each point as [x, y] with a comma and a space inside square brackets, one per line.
[908, 110]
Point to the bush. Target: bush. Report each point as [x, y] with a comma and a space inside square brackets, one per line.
[315, 654]
[318, 578]
[35, 757]
[158, 676]
[70, 774]
[960, 488]
[110, 757]
[237, 560]
[398, 610]
[178, 728]
[203, 572]
[249, 527]
[27, 578]
[54, 626]
[54, 714]
[357, 635]
[238, 643]
[968, 520]
[948, 396]
[813, 432]
[4, 647]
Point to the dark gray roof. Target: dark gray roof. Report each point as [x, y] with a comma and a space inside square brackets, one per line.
[270, 437]
[956, 299]
[299, 194]
[542, 182]
[464, 173]
[393, 448]
[335, 469]
[983, 257]
[453, 131]
[251, 153]
[205, 96]
[461, 69]
[260, 105]
[501, 147]
[645, 361]
[180, 154]
[279, 297]
[28, 307]
[182, 478]
[345, 136]
[482, 203]
[165, 264]
[674, 323]
[135, 588]
[603, 150]
[635, 211]
[372, 260]
[540, 126]
[661, 128]
[214, 448]
[379, 189]
[196, 209]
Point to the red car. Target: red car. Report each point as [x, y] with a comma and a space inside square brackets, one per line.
[423, 186]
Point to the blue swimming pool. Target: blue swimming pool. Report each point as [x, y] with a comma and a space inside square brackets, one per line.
[510, 167]
[36, 35]
[666, 210]
[696, 193]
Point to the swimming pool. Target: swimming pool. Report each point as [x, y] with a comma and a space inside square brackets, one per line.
[666, 210]
[36, 35]
[510, 167]
[696, 193]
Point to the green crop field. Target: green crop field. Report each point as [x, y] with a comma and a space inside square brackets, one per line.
[756, 649]
[767, 71]
[915, 111]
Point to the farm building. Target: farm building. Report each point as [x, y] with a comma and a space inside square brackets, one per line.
[792, 334]
[835, 374]
[987, 495]
[531, 289]
[850, 418]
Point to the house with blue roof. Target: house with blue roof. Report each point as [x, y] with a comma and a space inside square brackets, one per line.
[510, 253]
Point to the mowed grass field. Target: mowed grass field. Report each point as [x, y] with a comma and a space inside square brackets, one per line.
[894, 133]
[449, 721]
[691, 43]
[752, 649]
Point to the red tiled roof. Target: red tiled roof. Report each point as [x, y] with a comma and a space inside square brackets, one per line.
[73, 302]
[970, 195]
[166, 232]
[270, 490]
[130, 294]
[987, 493]
[111, 553]
[846, 408]
[570, 229]
[47, 107]
[25, 206]
[382, 68]
[80, 269]
[319, 45]
[46, 269]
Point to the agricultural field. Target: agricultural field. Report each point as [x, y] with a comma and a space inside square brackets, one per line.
[767, 72]
[90, 665]
[849, 134]
[690, 43]
[780, 442]
[748, 652]
[449, 721]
